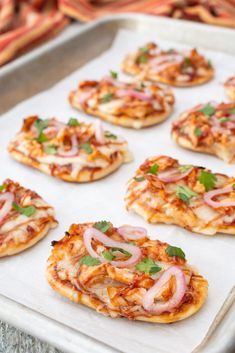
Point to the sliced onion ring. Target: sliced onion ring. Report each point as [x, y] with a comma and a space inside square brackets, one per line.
[160, 307]
[173, 175]
[92, 233]
[132, 233]
[208, 198]
[136, 94]
[7, 198]
[73, 150]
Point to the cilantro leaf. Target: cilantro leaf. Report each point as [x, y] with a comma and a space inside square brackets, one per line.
[142, 59]
[184, 193]
[223, 120]
[209, 63]
[89, 261]
[121, 250]
[185, 168]
[232, 111]
[73, 122]
[174, 251]
[144, 49]
[153, 169]
[208, 110]
[87, 147]
[2, 187]
[171, 50]
[208, 180]
[187, 61]
[41, 138]
[26, 211]
[198, 132]
[41, 124]
[103, 226]
[141, 178]
[107, 97]
[50, 149]
[147, 265]
[113, 74]
[110, 136]
[108, 255]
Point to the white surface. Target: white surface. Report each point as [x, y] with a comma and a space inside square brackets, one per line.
[22, 277]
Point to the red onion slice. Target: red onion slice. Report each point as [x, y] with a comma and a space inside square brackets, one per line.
[160, 307]
[173, 175]
[208, 198]
[132, 233]
[7, 198]
[99, 131]
[92, 233]
[72, 152]
[84, 96]
[136, 94]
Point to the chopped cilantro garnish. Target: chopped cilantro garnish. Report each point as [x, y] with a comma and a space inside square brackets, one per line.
[41, 138]
[108, 255]
[233, 186]
[141, 178]
[184, 193]
[113, 74]
[103, 226]
[144, 50]
[209, 63]
[41, 124]
[26, 211]
[73, 122]
[208, 110]
[107, 97]
[185, 168]
[110, 136]
[50, 149]
[171, 50]
[223, 120]
[153, 169]
[187, 61]
[87, 147]
[198, 132]
[89, 261]
[142, 59]
[174, 251]
[2, 187]
[122, 251]
[208, 180]
[147, 265]
[232, 111]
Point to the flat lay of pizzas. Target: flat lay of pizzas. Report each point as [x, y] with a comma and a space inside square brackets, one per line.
[75, 152]
[96, 265]
[136, 105]
[182, 69]
[25, 218]
[208, 128]
[229, 87]
[165, 191]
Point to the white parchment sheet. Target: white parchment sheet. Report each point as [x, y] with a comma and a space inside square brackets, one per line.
[22, 277]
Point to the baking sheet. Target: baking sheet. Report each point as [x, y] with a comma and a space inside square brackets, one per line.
[23, 277]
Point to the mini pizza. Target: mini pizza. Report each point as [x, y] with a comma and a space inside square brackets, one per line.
[165, 191]
[229, 87]
[208, 128]
[136, 105]
[75, 152]
[183, 69]
[25, 218]
[120, 272]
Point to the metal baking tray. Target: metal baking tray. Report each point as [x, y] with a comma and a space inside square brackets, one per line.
[41, 69]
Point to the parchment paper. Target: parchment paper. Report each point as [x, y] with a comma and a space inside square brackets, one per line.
[22, 277]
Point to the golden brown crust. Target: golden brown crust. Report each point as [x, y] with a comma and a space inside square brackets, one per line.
[124, 287]
[158, 202]
[229, 87]
[213, 134]
[17, 232]
[191, 70]
[101, 160]
[131, 112]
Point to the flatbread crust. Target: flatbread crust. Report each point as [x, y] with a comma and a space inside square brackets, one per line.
[181, 69]
[157, 201]
[229, 87]
[213, 134]
[127, 111]
[102, 160]
[19, 232]
[92, 285]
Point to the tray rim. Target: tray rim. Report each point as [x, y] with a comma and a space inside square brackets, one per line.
[21, 316]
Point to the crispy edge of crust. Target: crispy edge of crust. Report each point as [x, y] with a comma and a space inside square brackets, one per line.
[17, 248]
[215, 150]
[199, 284]
[230, 91]
[157, 78]
[122, 120]
[85, 176]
